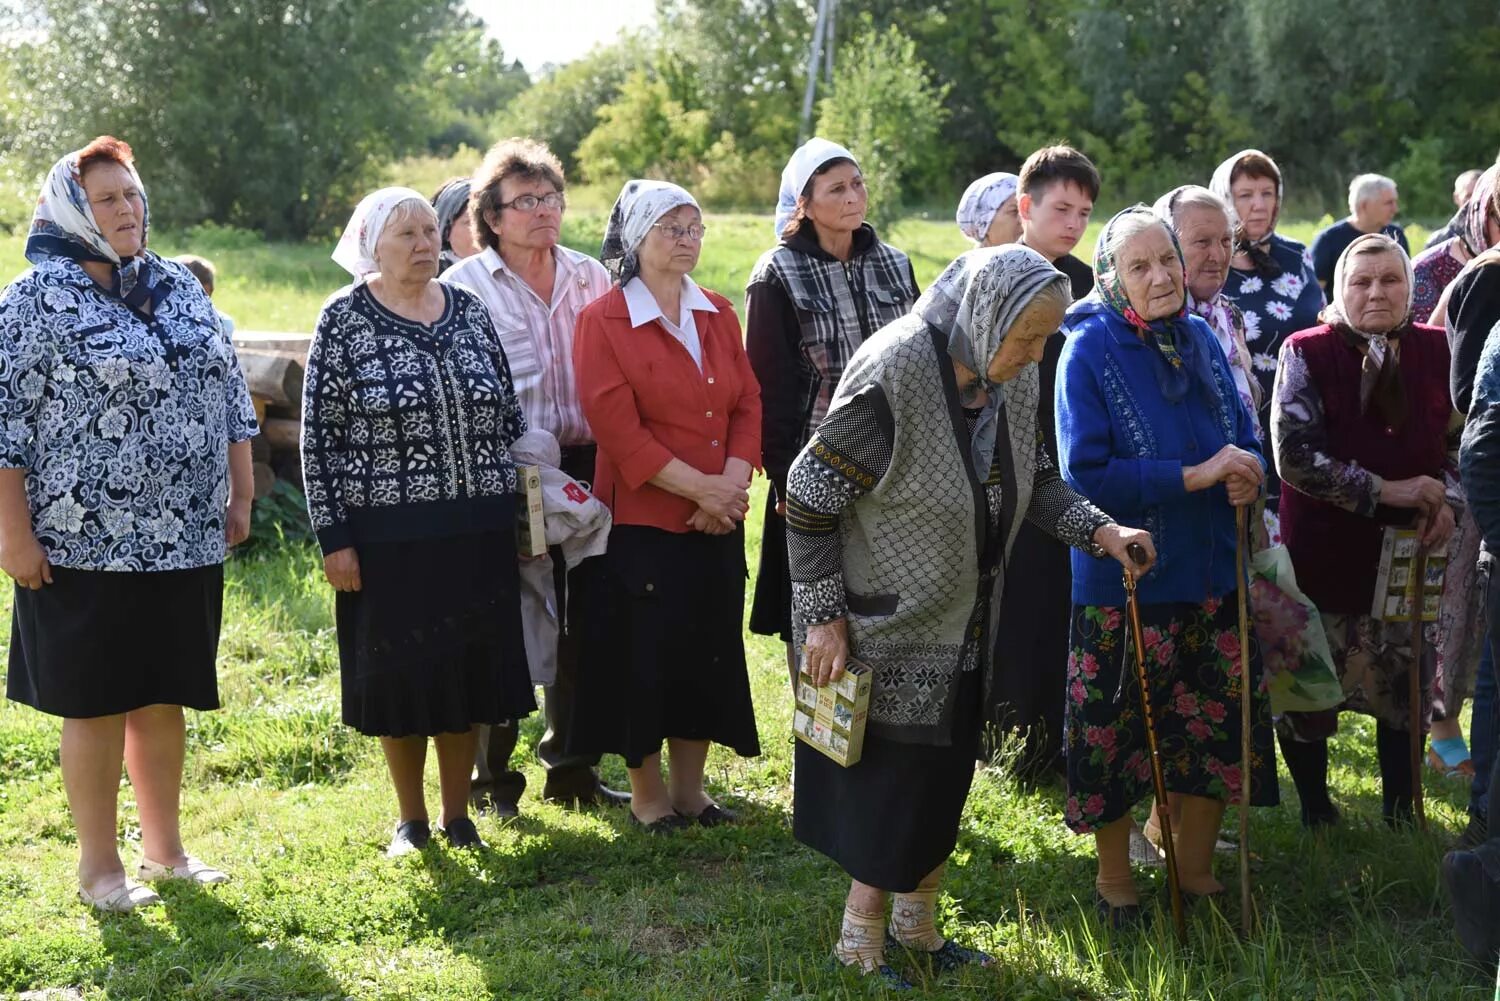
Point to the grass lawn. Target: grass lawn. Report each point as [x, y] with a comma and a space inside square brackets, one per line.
[571, 906]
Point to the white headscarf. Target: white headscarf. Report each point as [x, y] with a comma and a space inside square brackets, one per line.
[640, 205]
[981, 200]
[355, 252]
[799, 170]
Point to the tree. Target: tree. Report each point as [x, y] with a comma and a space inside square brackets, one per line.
[887, 110]
[471, 83]
[645, 133]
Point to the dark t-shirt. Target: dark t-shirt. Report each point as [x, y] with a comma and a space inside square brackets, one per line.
[1330, 243]
[1473, 310]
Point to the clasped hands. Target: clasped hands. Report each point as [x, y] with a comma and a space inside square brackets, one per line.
[1240, 472]
[723, 499]
[1429, 499]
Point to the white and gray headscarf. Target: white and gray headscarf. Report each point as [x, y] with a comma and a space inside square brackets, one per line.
[640, 205]
[804, 163]
[1379, 371]
[974, 304]
[981, 200]
[355, 252]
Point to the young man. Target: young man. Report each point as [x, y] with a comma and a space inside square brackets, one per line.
[1055, 196]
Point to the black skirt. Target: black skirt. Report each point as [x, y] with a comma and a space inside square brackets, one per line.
[432, 642]
[99, 642]
[664, 648]
[771, 606]
[892, 817]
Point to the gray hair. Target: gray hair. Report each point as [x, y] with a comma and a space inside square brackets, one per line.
[1128, 225]
[1367, 186]
[1169, 207]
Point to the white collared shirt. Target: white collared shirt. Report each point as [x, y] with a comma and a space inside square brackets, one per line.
[538, 336]
[644, 308]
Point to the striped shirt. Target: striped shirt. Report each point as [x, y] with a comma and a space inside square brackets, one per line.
[538, 336]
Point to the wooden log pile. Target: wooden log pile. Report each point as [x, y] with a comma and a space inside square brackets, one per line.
[273, 364]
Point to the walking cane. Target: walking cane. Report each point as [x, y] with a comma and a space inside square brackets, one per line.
[1158, 776]
[1414, 682]
[1245, 682]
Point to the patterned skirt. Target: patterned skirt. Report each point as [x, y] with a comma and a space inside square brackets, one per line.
[1193, 662]
[1373, 659]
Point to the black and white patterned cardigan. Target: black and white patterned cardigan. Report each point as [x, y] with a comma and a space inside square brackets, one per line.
[890, 527]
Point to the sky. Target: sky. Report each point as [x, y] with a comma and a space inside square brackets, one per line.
[558, 31]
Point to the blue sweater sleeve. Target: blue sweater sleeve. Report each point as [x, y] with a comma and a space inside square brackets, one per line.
[1086, 444]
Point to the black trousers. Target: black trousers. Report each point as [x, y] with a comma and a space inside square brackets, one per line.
[569, 776]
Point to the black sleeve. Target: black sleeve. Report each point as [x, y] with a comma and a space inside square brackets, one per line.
[773, 341]
[1473, 309]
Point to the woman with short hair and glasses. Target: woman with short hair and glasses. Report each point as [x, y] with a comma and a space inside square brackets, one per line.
[664, 380]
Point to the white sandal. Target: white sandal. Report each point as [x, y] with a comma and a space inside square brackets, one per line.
[192, 870]
[122, 899]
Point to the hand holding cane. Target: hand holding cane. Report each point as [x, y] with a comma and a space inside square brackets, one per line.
[1246, 680]
[1158, 775]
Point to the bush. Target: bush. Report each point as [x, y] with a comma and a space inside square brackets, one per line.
[645, 133]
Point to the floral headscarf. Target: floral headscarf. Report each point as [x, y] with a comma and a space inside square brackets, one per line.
[1380, 369]
[1172, 336]
[355, 252]
[981, 200]
[1470, 223]
[640, 205]
[1259, 250]
[803, 164]
[63, 228]
[974, 304]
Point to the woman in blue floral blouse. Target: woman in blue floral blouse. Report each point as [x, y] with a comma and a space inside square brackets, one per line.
[408, 417]
[124, 472]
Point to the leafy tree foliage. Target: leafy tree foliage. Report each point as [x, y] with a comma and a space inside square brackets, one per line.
[644, 132]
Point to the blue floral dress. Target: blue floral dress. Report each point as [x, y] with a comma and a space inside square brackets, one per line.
[1274, 308]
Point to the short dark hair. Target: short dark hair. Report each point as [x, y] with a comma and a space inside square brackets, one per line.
[202, 269]
[105, 149]
[1256, 165]
[795, 222]
[526, 159]
[1058, 164]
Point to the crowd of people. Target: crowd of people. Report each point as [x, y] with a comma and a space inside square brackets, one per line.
[962, 479]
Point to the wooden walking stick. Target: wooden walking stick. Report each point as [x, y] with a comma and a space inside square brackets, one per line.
[1414, 684]
[1158, 775]
[1242, 585]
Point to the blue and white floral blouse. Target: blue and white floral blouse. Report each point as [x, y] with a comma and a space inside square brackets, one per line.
[1275, 309]
[407, 427]
[122, 424]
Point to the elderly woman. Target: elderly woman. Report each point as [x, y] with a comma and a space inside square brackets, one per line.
[1477, 230]
[407, 420]
[987, 213]
[812, 300]
[1373, 203]
[535, 289]
[451, 203]
[1151, 427]
[1364, 432]
[901, 512]
[124, 471]
[675, 408]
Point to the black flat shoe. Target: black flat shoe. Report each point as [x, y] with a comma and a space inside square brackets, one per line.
[713, 815]
[950, 956]
[411, 836]
[670, 824]
[461, 833]
[1118, 918]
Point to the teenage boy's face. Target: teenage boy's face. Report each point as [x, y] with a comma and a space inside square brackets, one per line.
[1054, 218]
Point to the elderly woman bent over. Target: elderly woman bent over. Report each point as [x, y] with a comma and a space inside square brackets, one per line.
[902, 510]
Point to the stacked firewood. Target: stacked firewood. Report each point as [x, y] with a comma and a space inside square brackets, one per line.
[273, 364]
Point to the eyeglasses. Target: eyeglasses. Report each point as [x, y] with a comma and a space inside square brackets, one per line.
[529, 203]
[694, 232]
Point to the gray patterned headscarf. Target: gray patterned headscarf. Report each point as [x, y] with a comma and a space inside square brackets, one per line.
[981, 200]
[640, 205]
[974, 304]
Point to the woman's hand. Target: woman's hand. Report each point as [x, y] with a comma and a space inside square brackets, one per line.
[1423, 493]
[702, 521]
[1116, 540]
[1435, 532]
[24, 559]
[827, 651]
[237, 521]
[341, 567]
[1240, 472]
[722, 497]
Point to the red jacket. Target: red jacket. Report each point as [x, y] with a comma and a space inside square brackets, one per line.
[648, 403]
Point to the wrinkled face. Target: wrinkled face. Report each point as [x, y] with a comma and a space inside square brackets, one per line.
[838, 201]
[1027, 340]
[461, 236]
[1151, 274]
[1380, 209]
[1054, 218]
[518, 229]
[1255, 204]
[1374, 290]
[1206, 248]
[409, 244]
[118, 205]
[1005, 227]
[670, 248]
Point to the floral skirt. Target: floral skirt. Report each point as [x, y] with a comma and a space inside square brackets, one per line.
[1193, 663]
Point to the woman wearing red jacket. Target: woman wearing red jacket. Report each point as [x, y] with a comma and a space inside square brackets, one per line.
[666, 386]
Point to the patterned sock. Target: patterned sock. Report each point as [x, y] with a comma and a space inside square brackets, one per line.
[861, 939]
[913, 918]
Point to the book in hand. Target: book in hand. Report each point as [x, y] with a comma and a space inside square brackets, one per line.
[531, 532]
[1397, 587]
[832, 718]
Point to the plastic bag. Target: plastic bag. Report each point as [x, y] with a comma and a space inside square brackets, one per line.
[1293, 646]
